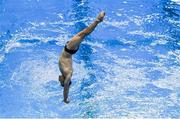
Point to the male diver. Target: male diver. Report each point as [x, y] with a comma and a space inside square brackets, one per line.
[71, 47]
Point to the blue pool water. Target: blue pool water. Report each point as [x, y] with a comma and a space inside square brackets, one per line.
[128, 67]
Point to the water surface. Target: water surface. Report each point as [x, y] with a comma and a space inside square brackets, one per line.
[128, 67]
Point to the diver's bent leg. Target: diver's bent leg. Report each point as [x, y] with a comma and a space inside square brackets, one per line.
[74, 43]
[78, 38]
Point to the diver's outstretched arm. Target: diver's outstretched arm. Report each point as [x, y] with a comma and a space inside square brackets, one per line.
[74, 43]
[66, 87]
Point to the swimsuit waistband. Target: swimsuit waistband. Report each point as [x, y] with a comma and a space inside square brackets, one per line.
[70, 51]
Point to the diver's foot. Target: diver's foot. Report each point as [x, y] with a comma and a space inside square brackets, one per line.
[61, 80]
[100, 16]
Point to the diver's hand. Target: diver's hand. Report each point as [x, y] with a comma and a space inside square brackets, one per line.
[66, 101]
[100, 17]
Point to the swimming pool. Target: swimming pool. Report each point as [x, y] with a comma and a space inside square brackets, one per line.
[128, 67]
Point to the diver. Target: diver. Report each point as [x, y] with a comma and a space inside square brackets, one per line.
[71, 47]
